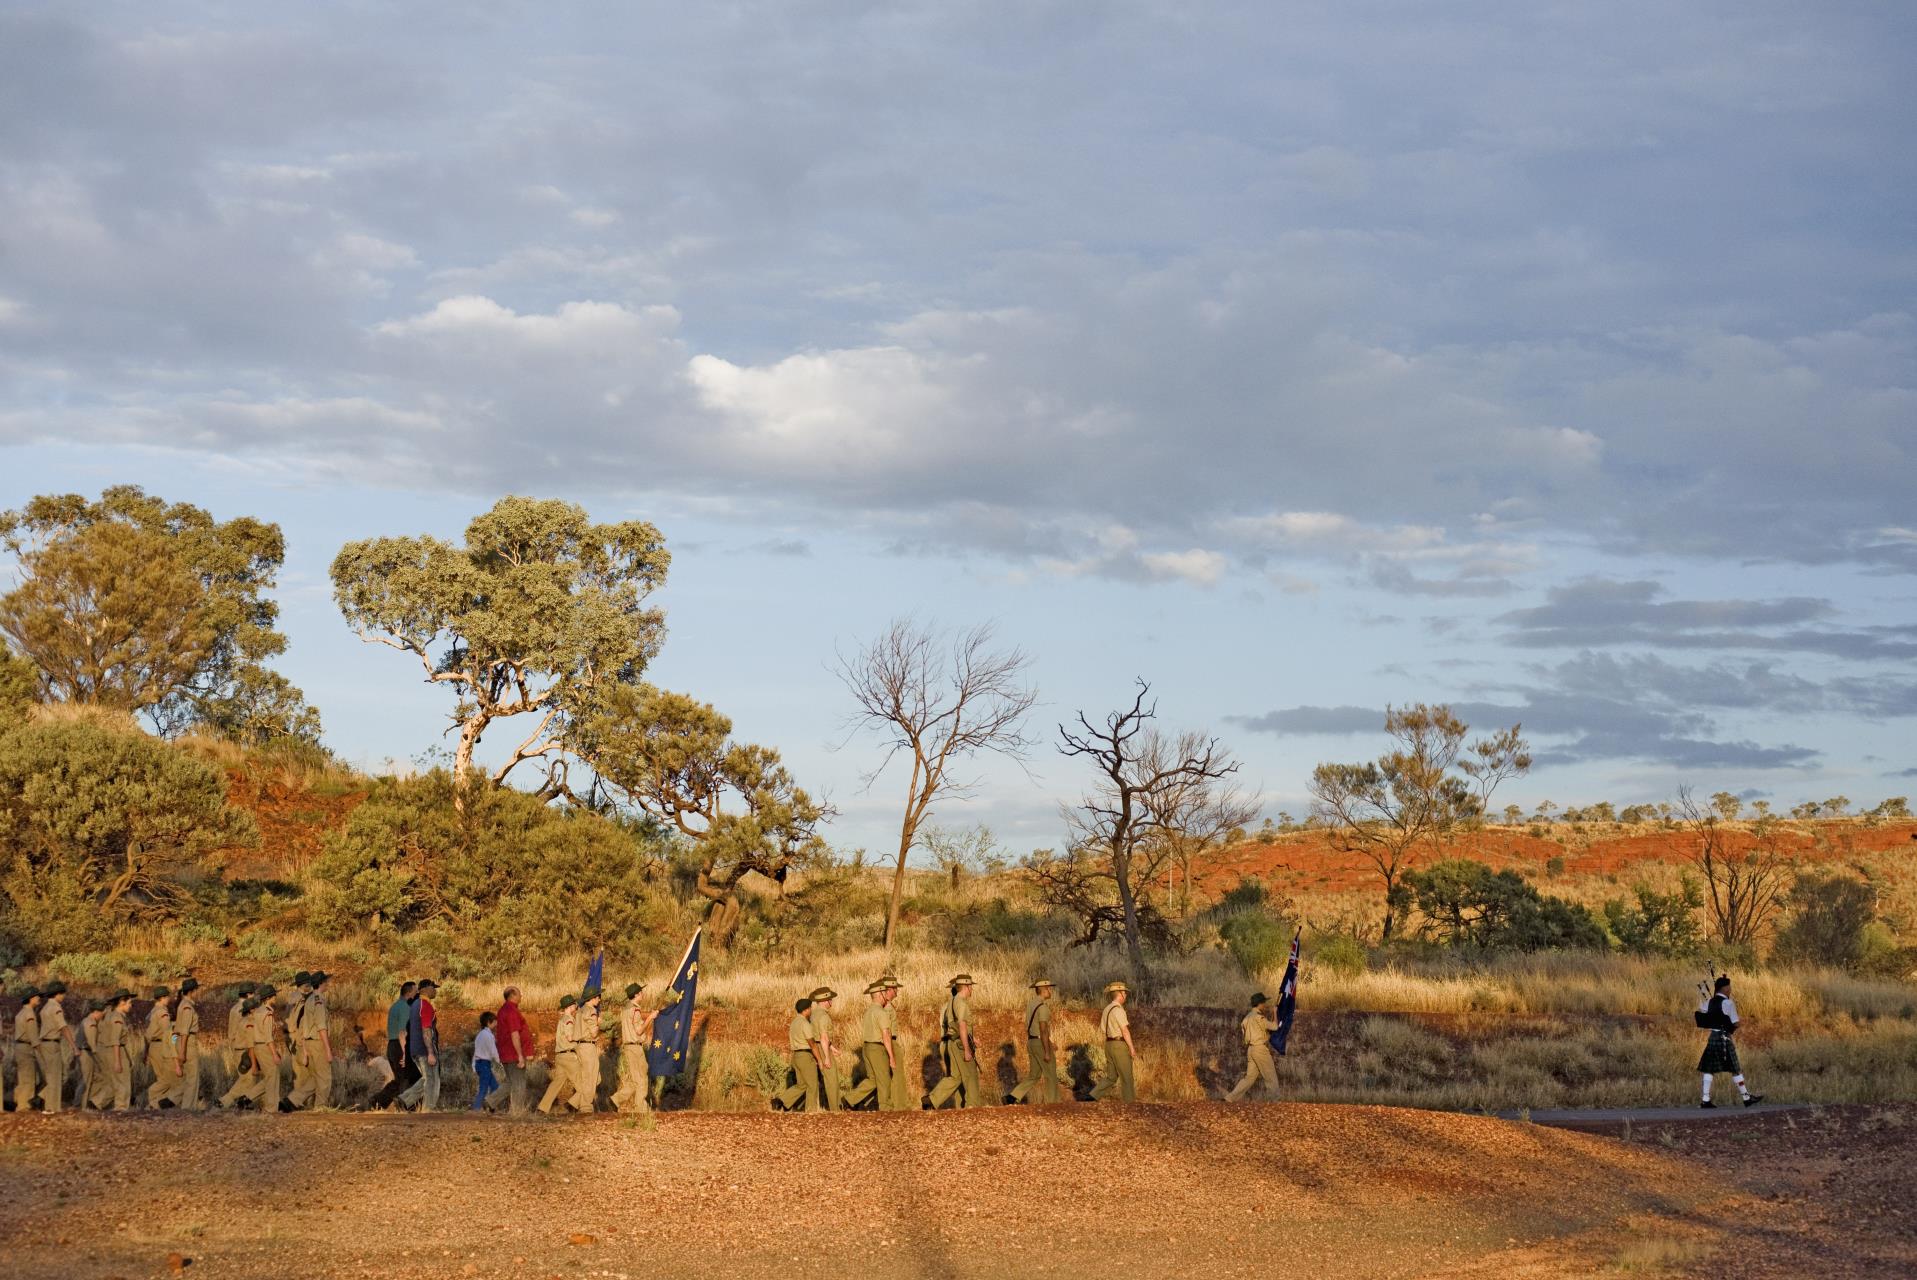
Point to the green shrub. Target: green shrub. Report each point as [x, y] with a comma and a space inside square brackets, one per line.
[95, 968]
[1828, 914]
[1467, 904]
[258, 945]
[1343, 954]
[1255, 940]
[1659, 923]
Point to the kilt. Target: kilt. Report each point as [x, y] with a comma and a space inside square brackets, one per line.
[1720, 1054]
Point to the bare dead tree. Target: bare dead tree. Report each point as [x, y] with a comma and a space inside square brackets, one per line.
[1743, 885]
[1195, 815]
[939, 700]
[1145, 781]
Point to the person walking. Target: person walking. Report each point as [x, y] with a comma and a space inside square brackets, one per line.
[56, 1047]
[958, 1042]
[422, 1042]
[1256, 1028]
[585, 1060]
[514, 1037]
[399, 1016]
[1041, 1056]
[301, 1085]
[186, 1049]
[313, 1055]
[1719, 1013]
[91, 1067]
[1116, 1026]
[560, 1088]
[26, 1048]
[114, 1087]
[830, 1067]
[904, 1096]
[875, 1046]
[803, 1053]
[635, 1073]
[231, 1049]
[485, 1061]
[157, 1043]
[259, 1081]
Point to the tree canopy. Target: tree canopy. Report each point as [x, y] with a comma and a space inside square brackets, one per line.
[537, 614]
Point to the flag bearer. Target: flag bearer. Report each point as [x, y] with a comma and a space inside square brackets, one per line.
[1041, 1083]
[1116, 1025]
[1720, 1051]
[1256, 1027]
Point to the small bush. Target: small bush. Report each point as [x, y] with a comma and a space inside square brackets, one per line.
[95, 968]
[1341, 955]
[1829, 913]
[1255, 940]
[260, 945]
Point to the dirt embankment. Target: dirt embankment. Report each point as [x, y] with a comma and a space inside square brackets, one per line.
[1158, 1190]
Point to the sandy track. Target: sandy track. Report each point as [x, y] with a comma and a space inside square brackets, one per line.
[1194, 1189]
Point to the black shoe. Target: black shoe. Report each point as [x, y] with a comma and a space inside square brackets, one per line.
[1751, 1100]
[287, 1108]
[1708, 1105]
[166, 1104]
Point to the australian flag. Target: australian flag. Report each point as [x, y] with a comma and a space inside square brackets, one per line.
[672, 1029]
[1287, 1000]
[596, 972]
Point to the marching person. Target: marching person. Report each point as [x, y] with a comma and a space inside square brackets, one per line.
[26, 1048]
[802, 1051]
[561, 1087]
[186, 1048]
[313, 1055]
[1256, 1027]
[399, 1017]
[1720, 1051]
[157, 1044]
[92, 1067]
[231, 1050]
[302, 1083]
[485, 1061]
[585, 1061]
[904, 1097]
[422, 1042]
[113, 1070]
[635, 1073]
[875, 1046]
[1041, 1081]
[259, 1084]
[515, 1039]
[822, 999]
[1116, 1025]
[56, 1047]
[958, 1042]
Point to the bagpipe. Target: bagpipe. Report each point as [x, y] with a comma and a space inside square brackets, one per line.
[1706, 988]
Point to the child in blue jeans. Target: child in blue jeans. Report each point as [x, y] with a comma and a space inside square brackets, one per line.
[485, 1060]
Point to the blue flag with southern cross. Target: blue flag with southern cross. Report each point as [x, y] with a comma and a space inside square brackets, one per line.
[596, 972]
[1287, 999]
[672, 1029]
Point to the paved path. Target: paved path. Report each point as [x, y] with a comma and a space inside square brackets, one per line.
[1607, 1117]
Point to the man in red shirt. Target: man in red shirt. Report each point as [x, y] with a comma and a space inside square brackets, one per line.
[515, 1052]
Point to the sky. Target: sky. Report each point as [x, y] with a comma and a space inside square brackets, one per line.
[1556, 361]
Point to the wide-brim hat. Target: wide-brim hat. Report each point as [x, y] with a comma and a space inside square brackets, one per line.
[874, 988]
[823, 993]
[567, 1002]
[1043, 982]
[1113, 988]
[634, 988]
[161, 993]
[56, 988]
[1258, 998]
[590, 993]
[963, 980]
[189, 985]
[121, 994]
[265, 991]
[301, 978]
[317, 977]
[892, 983]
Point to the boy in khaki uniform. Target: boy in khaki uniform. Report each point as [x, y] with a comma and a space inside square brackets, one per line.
[875, 1046]
[585, 1062]
[90, 1064]
[234, 1048]
[55, 1051]
[259, 1081]
[904, 1096]
[26, 1046]
[1256, 1027]
[113, 1070]
[829, 1064]
[313, 1056]
[1041, 1079]
[635, 1073]
[1116, 1025]
[802, 1053]
[157, 1047]
[302, 1083]
[186, 1049]
[561, 1088]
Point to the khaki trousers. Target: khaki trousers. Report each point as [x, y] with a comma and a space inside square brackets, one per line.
[635, 1079]
[563, 1083]
[261, 1088]
[1118, 1073]
[162, 1072]
[585, 1089]
[120, 1079]
[806, 1068]
[1041, 1076]
[186, 1089]
[25, 1082]
[53, 1076]
[1258, 1066]
[971, 1094]
[879, 1071]
[312, 1076]
[100, 1092]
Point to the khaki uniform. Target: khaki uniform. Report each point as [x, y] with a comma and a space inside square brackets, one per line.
[904, 1096]
[1041, 1079]
[312, 1065]
[26, 1047]
[113, 1067]
[831, 1076]
[161, 1067]
[54, 1054]
[1256, 1027]
[90, 1068]
[958, 1068]
[872, 1028]
[805, 1064]
[1113, 1023]
[635, 1073]
[186, 1038]
[259, 1083]
[235, 1044]
[585, 1062]
[563, 1083]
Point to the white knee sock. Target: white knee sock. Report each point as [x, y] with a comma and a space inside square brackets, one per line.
[1742, 1092]
[1707, 1088]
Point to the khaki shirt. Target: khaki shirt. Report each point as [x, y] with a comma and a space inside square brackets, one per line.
[1257, 1027]
[53, 1020]
[1038, 1018]
[798, 1034]
[1113, 1022]
[585, 1029]
[26, 1027]
[90, 1036]
[958, 1009]
[186, 1021]
[632, 1026]
[262, 1037]
[159, 1028]
[111, 1036]
[234, 1026]
[872, 1024]
[822, 1025]
[562, 1039]
[313, 1017]
[891, 1016]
